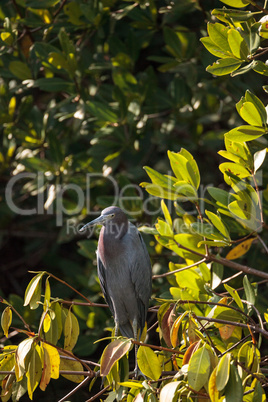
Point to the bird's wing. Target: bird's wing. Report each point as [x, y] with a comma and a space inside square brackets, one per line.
[141, 275]
[102, 278]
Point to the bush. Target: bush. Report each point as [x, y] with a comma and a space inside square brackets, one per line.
[91, 92]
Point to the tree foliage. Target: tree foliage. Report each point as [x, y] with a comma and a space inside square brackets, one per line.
[90, 92]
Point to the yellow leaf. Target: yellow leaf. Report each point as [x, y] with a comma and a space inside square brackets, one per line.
[240, 249]
[71, 365]
[6, 320]
[54, 358]
[46, 372]
[46, 323]
[212, 389]
[175, 328]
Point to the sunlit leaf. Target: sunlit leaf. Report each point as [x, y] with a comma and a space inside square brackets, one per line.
[223, 371]
[224, 66]
[6, 319]
[71, 365]
[241, 249]
[148, 363]
[237, 44]
[245, 133]
[234, 389]
[33, 291]
[112, 353]
[199, 369]
[71, 331]
[34, 370]
[259, 158]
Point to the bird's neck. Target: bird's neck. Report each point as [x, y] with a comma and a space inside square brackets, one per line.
[110, 240]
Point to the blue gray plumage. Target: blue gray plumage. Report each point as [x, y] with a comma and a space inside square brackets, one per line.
[124, 271]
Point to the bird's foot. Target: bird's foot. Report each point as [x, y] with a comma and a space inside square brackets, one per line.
[137, 373]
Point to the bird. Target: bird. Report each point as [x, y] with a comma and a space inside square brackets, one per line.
[124, 271]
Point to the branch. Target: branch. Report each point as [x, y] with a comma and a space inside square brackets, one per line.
[227, 263]
[69, 286]
[179, 269]
[81, 384]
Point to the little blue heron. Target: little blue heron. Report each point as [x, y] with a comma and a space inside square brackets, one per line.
[124, 271]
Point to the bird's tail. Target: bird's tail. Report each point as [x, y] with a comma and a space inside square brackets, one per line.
[126, 330]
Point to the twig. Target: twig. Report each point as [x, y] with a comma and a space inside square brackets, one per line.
[180, 269]
[81, 384]
[236, 324]
[69, 286]
[227, 263]
[263, 244]
[234, 346]
[178, 352]
[98, 394]
[76, 303]
[231, 277]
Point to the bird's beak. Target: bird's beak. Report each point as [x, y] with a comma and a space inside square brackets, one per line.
[98, 221]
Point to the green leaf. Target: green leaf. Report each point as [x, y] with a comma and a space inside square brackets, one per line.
[225, 14]
[173, 43]
[160, 179]
[164, 229]
[206, 230]
[217, 222]
[249, 290]
[101, 111]
[71, 331]
[41, 3]
[218, 34]
[237, 44]
[55, 85]
[199, 369]
[221, 196]
[190, 241]
[250, 97]
[213, 48]
[250, 114]
[261, 68]
[234, 389]
[223, 371]
[185, 190]
[245, 212]
[20, 70]
[185, 167]
[33, 291]
[148, 363]
[236, 3]
[235, 169]
[112, 353]
[34, 370]
[158, 191]
[166, 213]
[224, 66]
[245, 69]
[225, 313]
[235, 296]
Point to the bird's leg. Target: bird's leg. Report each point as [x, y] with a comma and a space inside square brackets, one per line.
[135, 331]
[116, 329]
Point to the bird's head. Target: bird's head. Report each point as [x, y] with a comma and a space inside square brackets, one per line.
[112, 216]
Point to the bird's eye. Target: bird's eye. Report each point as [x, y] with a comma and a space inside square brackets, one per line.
[112, 215]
